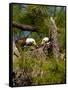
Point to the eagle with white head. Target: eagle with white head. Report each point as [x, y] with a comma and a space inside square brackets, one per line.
[30, 41]
[45, 40]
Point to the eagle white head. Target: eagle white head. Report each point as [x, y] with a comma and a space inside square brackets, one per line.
[30, 41]
[45, 40]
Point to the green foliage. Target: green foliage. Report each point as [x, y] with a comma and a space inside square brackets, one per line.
[61, 39]
[16, 12]
[60, 18]
[42, 71]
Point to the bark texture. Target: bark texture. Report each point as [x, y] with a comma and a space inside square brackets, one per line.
[54, 39]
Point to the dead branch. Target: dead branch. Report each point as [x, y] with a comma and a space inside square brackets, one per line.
[41, 51]
[24, 27]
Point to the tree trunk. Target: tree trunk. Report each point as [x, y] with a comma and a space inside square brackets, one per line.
[54, 39]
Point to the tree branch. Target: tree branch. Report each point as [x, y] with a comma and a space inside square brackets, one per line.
[24, 27]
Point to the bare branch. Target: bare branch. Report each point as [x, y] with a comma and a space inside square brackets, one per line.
[24, 27]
